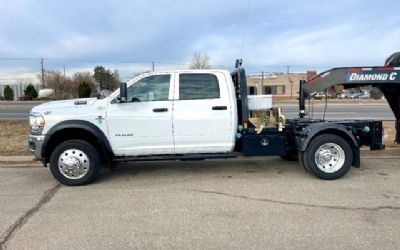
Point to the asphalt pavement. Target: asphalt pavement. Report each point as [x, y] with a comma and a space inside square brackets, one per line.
[242, 204]
[16, 114]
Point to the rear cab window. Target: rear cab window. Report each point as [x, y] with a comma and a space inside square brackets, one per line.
[198, 86]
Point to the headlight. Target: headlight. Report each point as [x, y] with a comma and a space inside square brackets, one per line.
[36, 122]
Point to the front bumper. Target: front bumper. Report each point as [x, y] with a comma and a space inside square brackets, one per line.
[35, 145]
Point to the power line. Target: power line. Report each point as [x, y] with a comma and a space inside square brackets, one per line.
[144, 62]
[42, 68]
[92, 60]
[18, 59]
[12, 78]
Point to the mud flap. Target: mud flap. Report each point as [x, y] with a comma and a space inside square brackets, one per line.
[356, 157]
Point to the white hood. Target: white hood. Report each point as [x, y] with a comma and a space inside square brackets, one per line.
[64, 104]
[87, 109]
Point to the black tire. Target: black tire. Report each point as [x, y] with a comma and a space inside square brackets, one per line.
[336, 167]
[92, 166]
[290, 156]
[300, 156]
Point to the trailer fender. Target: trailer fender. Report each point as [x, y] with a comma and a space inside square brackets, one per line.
[304, 137]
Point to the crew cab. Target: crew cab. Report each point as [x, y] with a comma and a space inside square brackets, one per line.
[187, 115]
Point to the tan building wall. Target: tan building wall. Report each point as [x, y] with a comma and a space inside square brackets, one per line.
[280, 85]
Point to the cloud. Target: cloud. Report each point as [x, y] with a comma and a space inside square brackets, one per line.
[272, 33]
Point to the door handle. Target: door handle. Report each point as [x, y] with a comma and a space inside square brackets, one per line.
[160, 110]
[219, 108]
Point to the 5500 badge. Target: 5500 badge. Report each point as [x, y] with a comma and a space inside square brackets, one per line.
[124, 135]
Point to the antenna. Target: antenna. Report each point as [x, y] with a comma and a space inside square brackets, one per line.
[245, 28]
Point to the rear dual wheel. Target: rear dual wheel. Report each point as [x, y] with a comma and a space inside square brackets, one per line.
[327, 156]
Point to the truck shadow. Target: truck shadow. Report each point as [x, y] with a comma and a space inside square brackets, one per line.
[223, 168]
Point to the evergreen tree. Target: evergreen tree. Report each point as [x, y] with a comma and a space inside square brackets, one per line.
[84, 90]
[8, 93]
[30, 92]
[106, 79]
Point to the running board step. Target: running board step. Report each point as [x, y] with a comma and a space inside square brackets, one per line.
[185, 157]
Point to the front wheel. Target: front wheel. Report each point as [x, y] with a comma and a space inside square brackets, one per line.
[328, 157]
[75, 163]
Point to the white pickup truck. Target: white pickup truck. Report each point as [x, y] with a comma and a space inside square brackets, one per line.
[184, 115]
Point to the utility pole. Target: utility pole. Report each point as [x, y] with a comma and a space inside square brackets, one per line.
[41, 63]
[152, 65]
[290, 81]
[262, 83]
[65, 78]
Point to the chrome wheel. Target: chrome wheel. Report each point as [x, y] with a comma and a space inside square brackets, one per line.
[73, 163]
[330, 157]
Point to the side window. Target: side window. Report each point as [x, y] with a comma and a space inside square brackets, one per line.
[198, 86]
[151, 88]
[252, 90]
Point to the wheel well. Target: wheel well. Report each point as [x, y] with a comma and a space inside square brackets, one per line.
[348, 138]
[71, 134]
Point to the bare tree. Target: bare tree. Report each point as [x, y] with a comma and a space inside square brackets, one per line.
[200, 61]
[65, 87]
[115, 80]
[61, 85]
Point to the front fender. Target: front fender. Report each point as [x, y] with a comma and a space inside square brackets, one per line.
[77, 124]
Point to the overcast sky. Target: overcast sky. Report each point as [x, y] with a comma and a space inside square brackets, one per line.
[129, 35]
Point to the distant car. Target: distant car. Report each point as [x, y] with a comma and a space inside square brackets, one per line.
[1, 98]
[319, 96]
[364, 95]
[351, 95]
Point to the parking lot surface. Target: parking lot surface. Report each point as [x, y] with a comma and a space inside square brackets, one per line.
[243, 204]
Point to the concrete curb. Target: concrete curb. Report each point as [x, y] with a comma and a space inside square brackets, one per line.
[17, 158]
[14, 166]
[19, 161]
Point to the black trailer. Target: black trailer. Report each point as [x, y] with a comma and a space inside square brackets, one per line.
[327, 149]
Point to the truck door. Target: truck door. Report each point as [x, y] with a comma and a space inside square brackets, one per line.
[202, 119]
[143, 124]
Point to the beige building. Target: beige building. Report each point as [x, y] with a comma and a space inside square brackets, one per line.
[281, 85]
